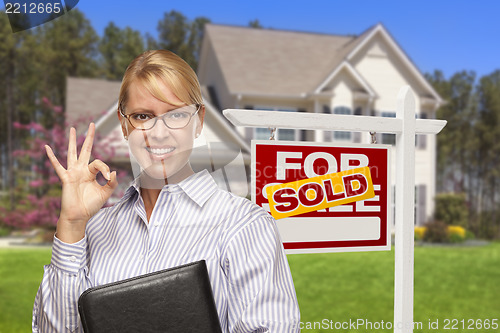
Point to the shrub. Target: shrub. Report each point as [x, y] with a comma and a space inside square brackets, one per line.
[4, 231]
[419, 233]
[436, 232]
[456, 234]
[469, 235]
[451, 208]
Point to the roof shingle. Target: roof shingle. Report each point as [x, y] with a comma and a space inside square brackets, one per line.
[266, 61]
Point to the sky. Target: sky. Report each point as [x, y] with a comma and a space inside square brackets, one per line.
[447, 35]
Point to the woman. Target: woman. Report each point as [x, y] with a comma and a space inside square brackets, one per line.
[169, 215]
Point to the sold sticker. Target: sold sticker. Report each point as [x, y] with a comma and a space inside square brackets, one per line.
[311, 194]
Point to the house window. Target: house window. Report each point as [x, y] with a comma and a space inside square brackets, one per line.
[261, 133]
[281, 133]
[341, 135]
[327, 135]
[387, 138]
[286, 134]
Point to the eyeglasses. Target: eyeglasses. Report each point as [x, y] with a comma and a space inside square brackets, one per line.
[173, 119]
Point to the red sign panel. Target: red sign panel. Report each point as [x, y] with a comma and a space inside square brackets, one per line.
[357, 226]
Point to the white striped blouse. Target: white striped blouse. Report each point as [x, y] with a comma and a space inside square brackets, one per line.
[192, 220]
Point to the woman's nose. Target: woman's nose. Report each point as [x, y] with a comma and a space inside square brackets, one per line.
[159, 130]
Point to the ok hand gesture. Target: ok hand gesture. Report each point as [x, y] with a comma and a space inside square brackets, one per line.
[82, 195]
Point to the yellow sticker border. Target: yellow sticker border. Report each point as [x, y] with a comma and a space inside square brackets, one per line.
[336, 179]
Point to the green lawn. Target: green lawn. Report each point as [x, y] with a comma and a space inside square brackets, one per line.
[21, 271]
[450, 283]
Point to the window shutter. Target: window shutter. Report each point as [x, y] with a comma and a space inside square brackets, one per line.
[421, 204]
[422, 141]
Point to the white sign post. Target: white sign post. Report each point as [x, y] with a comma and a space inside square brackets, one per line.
[405, 126]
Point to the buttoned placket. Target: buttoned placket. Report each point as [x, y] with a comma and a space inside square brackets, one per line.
[155, 226]
[142, 254]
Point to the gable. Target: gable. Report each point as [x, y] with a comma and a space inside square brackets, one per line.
[345, 74]
[386, 68]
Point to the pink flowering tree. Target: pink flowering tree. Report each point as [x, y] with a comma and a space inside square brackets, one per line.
[39, 188]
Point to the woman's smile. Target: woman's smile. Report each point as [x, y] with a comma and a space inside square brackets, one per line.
[160, 153]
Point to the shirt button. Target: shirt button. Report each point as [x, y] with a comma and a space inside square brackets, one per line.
[141, 257]
[72, 258]
[157, 224]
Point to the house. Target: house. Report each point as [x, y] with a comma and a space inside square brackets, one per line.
[290, 71]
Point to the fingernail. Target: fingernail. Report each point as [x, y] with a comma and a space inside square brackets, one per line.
[108, 176]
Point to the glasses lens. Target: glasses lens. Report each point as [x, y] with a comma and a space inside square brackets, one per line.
[142, 121]
[177, 118]
[180, 117]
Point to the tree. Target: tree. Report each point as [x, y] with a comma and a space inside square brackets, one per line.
[151, 42]
[36, 63]
[488, 152]
[179, 35]
[195, 40]
[255, 24]
[118, 47]
[69, 46]
[19, 78]
[455, 142]
[7, 49]
[469, 146]
[38, 191]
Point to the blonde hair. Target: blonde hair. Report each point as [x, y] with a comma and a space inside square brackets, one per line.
[154, 65]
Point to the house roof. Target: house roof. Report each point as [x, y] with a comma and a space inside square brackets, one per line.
[279, 62]
[89, 99]
[288, 63]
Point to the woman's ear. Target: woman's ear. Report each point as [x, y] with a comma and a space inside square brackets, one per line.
[201, 116]
[123, 123]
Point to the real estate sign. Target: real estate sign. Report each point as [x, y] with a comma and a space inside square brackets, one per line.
[324, 198]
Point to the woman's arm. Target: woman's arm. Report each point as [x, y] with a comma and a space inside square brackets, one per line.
[67, 276]
[64, 279]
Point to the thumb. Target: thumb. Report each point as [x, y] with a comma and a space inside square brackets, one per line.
[112, 182]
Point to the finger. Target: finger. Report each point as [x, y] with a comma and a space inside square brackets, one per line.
[54, 161]
[87, 145]
[113, 182]
[72, 154]
[99, 166]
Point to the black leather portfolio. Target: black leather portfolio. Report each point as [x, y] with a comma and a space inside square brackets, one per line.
[176, 300]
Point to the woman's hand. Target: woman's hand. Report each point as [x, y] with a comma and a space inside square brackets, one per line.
[82, 195]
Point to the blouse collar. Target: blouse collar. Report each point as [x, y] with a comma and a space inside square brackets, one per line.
[199, 187]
